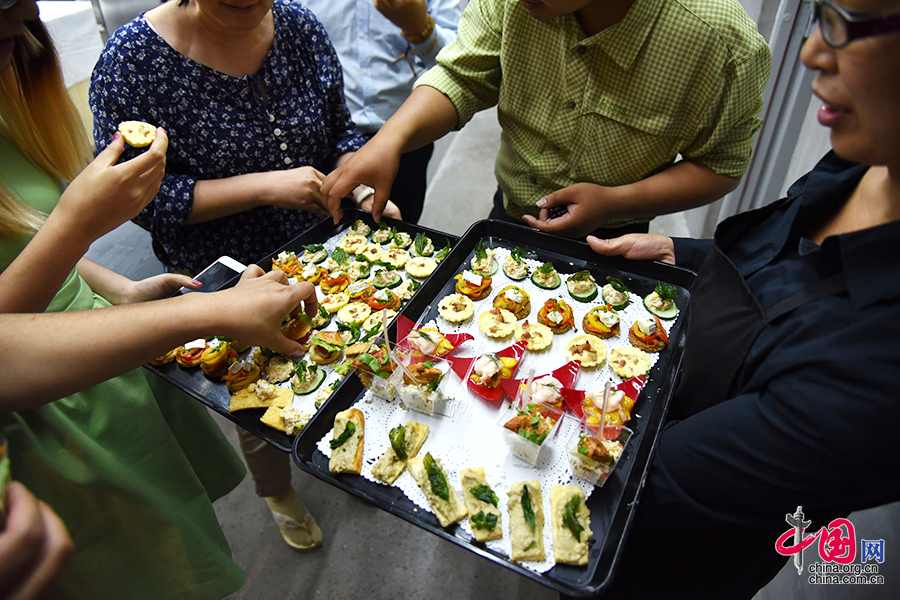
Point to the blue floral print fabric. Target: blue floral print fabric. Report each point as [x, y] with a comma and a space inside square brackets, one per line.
[291, 113]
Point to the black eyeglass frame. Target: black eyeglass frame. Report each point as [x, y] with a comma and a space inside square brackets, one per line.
[855, 26]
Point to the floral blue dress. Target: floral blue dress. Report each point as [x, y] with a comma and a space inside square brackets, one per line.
[291, 113]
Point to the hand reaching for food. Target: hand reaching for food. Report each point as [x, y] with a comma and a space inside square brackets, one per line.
[374, 165]
[255, 308]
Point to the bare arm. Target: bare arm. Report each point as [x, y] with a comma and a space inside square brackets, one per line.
[293, 188]
[118, 289]
[589, 206]
[425, 116]
[90, 346]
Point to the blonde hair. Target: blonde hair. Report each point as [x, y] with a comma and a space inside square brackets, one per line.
[38, 117]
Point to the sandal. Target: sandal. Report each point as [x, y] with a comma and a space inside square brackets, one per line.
[299, 532]
[300, 536]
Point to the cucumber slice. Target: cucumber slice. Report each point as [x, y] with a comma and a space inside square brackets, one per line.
[555, 282]
[578, 277]
[314, 253]
[618, 306]
[582, 297]
[669, 314]
[321, 320]
[513, 276]
[495, 266]
[387, 279]
[312, 383]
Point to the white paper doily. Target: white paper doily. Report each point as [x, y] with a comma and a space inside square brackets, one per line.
[473, 437]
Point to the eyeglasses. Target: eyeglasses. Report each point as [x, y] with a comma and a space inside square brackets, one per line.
[4, 4]
[840, 27]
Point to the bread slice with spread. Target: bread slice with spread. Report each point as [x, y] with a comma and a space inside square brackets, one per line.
[481, 504]
[347, 443]
[444, 500]
[408, 439]
[571, 524]
[526, 520]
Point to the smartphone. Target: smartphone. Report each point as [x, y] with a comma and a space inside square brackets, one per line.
[216, 275]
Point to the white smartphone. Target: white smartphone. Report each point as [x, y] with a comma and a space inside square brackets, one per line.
[217, 274]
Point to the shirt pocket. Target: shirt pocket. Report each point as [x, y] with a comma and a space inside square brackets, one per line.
[621, 145]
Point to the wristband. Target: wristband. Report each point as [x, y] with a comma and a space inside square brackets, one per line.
[423, 35]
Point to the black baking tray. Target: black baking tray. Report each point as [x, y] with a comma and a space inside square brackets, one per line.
[612, 506]
[215, 394]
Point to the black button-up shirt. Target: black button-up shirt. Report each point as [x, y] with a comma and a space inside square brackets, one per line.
[814, 418]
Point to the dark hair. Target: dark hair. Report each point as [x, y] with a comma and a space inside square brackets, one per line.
[183, 2]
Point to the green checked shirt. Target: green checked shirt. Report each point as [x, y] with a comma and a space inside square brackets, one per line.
[673, 77]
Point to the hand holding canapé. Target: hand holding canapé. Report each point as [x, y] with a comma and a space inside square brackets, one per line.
[106, 194]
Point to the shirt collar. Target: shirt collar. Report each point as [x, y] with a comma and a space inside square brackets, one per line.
[870, 258]
[624, 40]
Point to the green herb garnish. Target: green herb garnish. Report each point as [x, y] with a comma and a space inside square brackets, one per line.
[313, 248]
[372, 362]
[526, 507]
[353, 328]
[420, 243]
[530, 546]
[618, 285]
[480, 252]
[397, 435]
[412, 285]
[546, 268]
[349, 430]
[483, 521]
[666, 291]
[517, 254]
[301, 369]
[533, 436]
[427, 364]
[438, 482]
[485, 494]
[443, 252]
[343, 368]
[570, 520]
[340, 256]
[580, 276]
[371, 333]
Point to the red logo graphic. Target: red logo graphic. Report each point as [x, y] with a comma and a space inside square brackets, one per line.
[837, 540]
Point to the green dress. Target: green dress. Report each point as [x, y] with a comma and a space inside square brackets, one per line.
[131, 465]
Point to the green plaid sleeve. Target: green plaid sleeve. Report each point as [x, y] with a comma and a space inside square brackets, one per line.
[468, 70]
[725, 139]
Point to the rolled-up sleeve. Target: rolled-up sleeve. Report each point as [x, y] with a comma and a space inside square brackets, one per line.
[468, 70]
